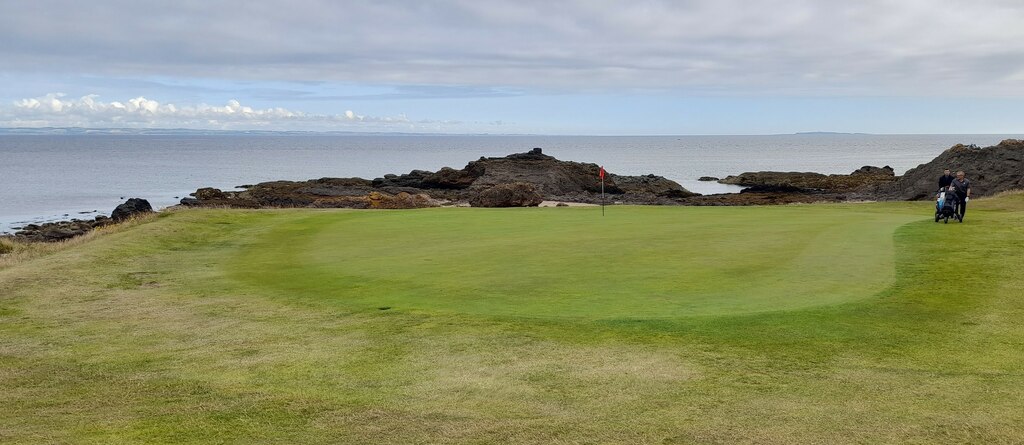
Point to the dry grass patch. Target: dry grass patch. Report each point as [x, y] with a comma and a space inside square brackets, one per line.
[13, 252]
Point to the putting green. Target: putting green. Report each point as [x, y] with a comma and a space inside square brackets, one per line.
[636, 262]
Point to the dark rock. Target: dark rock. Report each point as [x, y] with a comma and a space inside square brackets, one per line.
[208, 193]
[561, 204]
[812, 182]
[878, 171]
[707, 178]
[131, 208]
[517, 194]
[190, 202]
[54, 231]
[650, 185]
[769, 178]
[412, 179]
[377, 200]
[449, 178]
[535, 154]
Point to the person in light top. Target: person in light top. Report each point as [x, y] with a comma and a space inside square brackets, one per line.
[961, 188]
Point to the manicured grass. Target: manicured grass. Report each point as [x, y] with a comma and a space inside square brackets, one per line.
[858, 323]
[654, 262]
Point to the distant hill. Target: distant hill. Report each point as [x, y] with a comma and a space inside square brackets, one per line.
[826, 132]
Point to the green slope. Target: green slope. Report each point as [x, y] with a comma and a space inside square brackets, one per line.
[635, 262]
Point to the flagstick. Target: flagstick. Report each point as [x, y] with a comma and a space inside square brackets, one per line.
[602, 194]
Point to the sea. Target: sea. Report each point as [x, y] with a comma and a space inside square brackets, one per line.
[47, 177]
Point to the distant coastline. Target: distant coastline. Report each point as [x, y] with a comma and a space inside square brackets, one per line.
[211, 132]
[815, 133]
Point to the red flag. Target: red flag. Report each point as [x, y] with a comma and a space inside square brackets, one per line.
[601, 174]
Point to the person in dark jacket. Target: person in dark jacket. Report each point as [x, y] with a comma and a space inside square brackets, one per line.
[945, 179]
[961, 186]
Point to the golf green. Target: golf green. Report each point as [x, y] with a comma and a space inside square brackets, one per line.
[635, 262]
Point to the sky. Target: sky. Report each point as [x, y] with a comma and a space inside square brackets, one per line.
[591, 67]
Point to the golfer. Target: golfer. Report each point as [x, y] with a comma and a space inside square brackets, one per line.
[945, 179]
[961, 187]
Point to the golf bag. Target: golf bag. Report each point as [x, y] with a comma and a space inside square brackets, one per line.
[946, 206]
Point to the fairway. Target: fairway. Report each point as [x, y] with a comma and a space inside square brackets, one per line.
[838, 323]
[640, 262]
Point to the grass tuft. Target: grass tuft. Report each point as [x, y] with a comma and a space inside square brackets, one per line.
[7, 246]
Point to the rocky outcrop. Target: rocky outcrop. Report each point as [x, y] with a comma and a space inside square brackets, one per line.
[209, 193]
[60, 230]
[790, 182]
[516, 194]
[376, 200]
[991, 170]
[63, 230]
[550, 178]
[131, 208]
[446, 178]
[708, 179]
[355, 193]
[868, 170]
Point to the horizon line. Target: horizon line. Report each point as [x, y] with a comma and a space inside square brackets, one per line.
[128, 131]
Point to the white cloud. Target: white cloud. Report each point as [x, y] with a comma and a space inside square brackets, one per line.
[55, 109]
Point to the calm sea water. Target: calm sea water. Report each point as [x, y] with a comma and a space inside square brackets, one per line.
[52, 177]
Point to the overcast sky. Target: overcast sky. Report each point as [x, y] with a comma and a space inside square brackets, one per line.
[477, 66]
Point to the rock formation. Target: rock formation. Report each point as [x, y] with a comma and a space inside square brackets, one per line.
[516, 194]
[991, 170]
[60, 230]
[478, 182]
[790, 182]
[130, 208]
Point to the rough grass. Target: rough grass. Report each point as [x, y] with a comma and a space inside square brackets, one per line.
[13, 252]
[7, 246]
[153, 335]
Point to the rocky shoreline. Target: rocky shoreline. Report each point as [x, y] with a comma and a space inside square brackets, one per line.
[63, 230]
[517, 180]
[530, 178]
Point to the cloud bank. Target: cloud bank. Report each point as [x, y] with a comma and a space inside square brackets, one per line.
[795, 47]
[56, 110]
